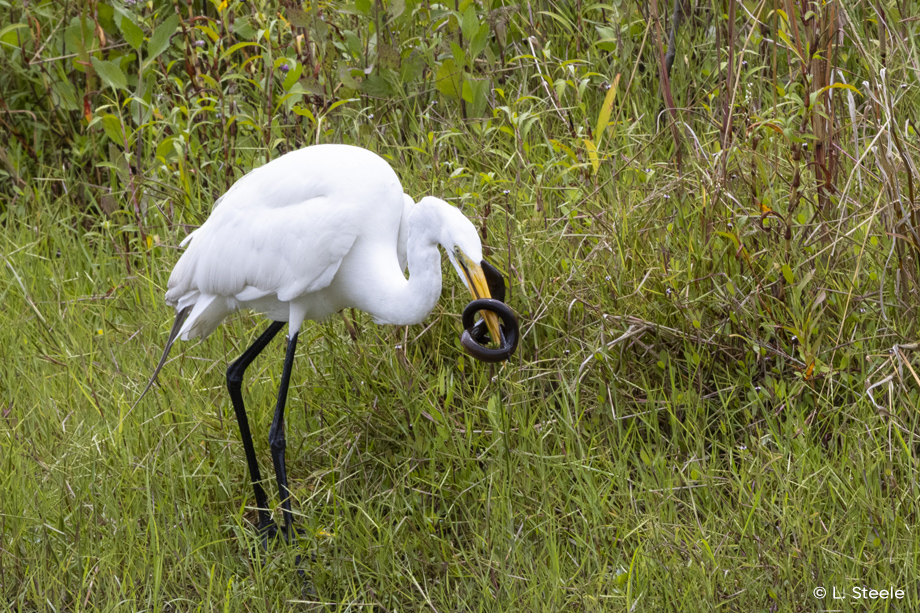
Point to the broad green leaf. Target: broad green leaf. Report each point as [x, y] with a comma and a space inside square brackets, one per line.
[105, 16]
[476, 93]
[458, 54]
[479, 41]
[293, 75]
[110, 73]
[134, 36]
[608, 38]
[396, 8]
[377, 86]
[320, 31]
[364, 6]
[166, 149]
[242, 27]
[387, 56]
[111, 124]
[9, 35]
[298, 18]
[77, 37]
[470, 23]
[311, 85]
[304, 112]
[467, 90]
[353, 44]
[162, 36]
[448, 79]
[65, 95]
[345, 76]
[787, 274]
[208, 80]
[411, 68]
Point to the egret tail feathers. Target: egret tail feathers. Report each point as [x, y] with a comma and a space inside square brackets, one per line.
[181, 316]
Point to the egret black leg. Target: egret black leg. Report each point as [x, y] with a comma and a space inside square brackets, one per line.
[235, 374]
[276, 438]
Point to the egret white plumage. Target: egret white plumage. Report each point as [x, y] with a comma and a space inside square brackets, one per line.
[315, 231]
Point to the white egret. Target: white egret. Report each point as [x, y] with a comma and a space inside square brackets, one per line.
[315, 231]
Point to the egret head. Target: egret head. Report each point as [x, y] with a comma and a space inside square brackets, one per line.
[460, 240]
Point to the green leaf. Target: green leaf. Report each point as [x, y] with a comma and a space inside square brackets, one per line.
[458, 54]
[166, 149]
[592, 153]
[476, 92]
[353, 44]
[396, 8]
[339, 103]
[387, 56]
[298, 18]
[147, 96]
[604, 116]
[565, 23]
[110, 73]
[134, 36]
[311, 85]
[470, 23]
[65, 95]
[479, 41]
[236, 47]
[293, 75]
[608, 38]
[448, 79]
[364, 6]
[412, 67]
[304, 112]
[646, 459]
[243, 28]
[787, 274]
[105, 16]
[111, 124]
[377, 86]
[345, 76]
[78, 36]
[320, 31]
[162, 36]
[9, 36]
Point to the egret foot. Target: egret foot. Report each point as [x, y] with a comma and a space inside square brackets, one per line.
[270, 534]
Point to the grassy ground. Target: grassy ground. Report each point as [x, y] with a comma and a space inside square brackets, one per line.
[714, 403]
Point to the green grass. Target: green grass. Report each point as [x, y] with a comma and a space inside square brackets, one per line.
[715, 400]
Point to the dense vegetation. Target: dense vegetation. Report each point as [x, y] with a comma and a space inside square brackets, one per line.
[708, 216]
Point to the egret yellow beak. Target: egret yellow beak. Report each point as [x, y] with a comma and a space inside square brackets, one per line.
[479, 287]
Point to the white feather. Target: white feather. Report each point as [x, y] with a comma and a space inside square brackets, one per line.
[312, 232]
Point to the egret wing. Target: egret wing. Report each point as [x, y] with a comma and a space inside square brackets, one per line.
[256, 251]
